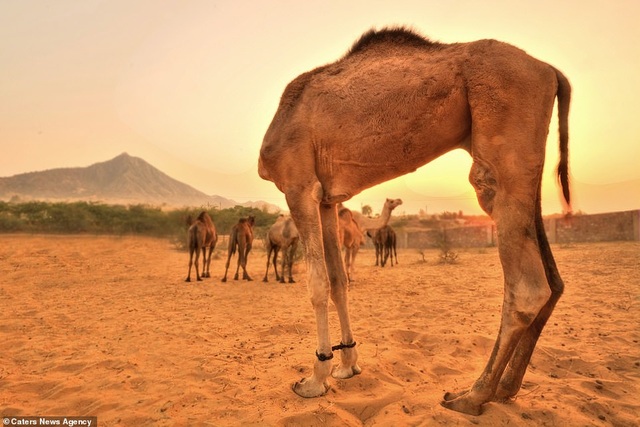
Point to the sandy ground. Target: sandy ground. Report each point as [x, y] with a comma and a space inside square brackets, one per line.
[106, 326]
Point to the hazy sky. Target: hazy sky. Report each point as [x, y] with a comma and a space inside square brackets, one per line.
[191, 86]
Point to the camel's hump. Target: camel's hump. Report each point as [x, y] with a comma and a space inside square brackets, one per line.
[394, 35]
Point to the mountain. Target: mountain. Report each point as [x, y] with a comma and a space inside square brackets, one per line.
[122, 180]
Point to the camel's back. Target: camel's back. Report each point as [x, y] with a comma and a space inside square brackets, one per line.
[393, 89]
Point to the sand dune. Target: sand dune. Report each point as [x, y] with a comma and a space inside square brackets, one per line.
[106, 326]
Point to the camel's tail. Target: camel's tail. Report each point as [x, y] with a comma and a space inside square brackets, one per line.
[233, 241]
[564, 100]
[192, 238]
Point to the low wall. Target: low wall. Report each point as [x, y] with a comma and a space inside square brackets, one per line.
[606, 227]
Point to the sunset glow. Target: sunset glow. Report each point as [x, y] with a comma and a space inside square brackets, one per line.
[191, 87]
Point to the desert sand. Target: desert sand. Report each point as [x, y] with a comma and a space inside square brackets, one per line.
[106, 326]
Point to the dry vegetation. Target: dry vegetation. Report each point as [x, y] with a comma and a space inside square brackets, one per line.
[107, 326]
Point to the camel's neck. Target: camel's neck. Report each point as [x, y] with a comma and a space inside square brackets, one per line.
[367, 223]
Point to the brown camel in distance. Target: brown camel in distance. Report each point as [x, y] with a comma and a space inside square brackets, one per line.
[390, 249]
[282, 236]
[201, 236]
[365, 223]
[384, 241]
[240, 240]
[393, 103]
[378, 237]
[351, 238]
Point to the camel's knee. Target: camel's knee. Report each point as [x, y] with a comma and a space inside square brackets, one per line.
[339, 290]
[319, 297]
[318, 290]
[485, 185]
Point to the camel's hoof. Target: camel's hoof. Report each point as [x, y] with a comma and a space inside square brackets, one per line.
[224, 279]
[235, 277]
[188, 279]
[265, 280]
[461, 404]
[199, 279]
[308, 388]
[504, 395]
[344, 373]
[249, 279]
[448, 396]
[292, 281]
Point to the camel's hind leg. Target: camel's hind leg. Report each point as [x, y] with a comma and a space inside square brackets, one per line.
[283, 266]
[270, 251]
[347, 262]
[191, 250]
[243, 253]
[511, 201]
[291, 253]
[304, 207]
[206, 260]
[338, 279]
[386, 255]
[196, 261]
[239, 263]
[393, 250]
[229, 255]
[276, 252]
[245, 275]
[513, 375]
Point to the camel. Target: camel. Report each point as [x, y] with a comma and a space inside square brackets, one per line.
[384, 240]
[394, 102]
[283, 235]
[351, 238]
[390, 249]
[365, 223]
[201, 235]
[241, 239]
[378, 237]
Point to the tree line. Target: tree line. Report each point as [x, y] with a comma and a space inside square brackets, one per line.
[97, 218]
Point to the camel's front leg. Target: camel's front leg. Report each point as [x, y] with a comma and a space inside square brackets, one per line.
[304, 209]
[338, 278]
[317, 385]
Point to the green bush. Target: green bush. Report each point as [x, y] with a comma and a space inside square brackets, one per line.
[98, 218]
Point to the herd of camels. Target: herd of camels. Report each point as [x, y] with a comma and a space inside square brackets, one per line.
[283, 237]
[394, 102]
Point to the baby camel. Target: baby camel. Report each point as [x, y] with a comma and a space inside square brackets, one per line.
[393, 103]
